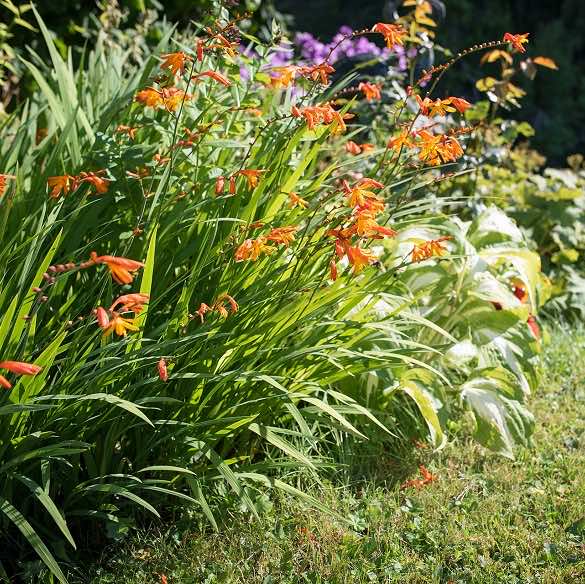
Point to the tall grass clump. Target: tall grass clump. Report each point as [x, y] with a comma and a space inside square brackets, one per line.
[208, 276]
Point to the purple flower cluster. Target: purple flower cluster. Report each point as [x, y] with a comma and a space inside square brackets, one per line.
[314, 51]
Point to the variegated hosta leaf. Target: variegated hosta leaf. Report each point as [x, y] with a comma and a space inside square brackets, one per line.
[487, 287]
[524, 261]
[493, 226]
[504, 340]
[501, 422]
[461, 356]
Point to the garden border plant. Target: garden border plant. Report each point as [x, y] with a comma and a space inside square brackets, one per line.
[278, 313]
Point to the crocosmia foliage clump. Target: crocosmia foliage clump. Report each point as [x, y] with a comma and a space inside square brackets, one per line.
[208, 275]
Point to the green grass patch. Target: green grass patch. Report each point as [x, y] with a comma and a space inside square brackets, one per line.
[485, 518]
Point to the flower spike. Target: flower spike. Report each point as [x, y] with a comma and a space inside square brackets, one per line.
[120, 268]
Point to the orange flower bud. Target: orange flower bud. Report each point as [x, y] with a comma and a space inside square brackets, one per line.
[162, 370]
[102, 317]
[219, 185]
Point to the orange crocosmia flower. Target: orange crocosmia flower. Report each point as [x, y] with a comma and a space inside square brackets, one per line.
[215, 76]
[373, 205]
[244, 251]
[219, 307]
[120, 268]
[19, 368]
[222, 44]
[162, 370]
[429, 249]
[401, 141]
[130, 131]
[426, 474]
[159, 159]
[333, 269]
[369, 183]
[149, 97]
[120, 325]
[313, 115]
[393, 33]
[251, 249]
[101, 184]
[416, 483]
[284, 235]
[460, 104]
[200, 48]
[234, 307]
[202, 310]
[130, 302]
[296, 201]
[283, 76]
[222, 310]
[441, 107]
[356, 149]
[359, 257]
[325, 114]
[427, 477]
[232, 188]
[175, 62]
[3, 179]
[439, 149]
[320, 114]
[371, 91]
[424, 104]
[437, 107]
[219, 185]
[450, 149]
[422, 13]
[102, 317]
[61, 185]
[319, 72]
[172, 98]
[517, 41]
[338, 126]
[341, 240]
[227, 46]
[252, 176]
[366, 226]
[358, 195]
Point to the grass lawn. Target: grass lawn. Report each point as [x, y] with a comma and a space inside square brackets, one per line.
[485, 519]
